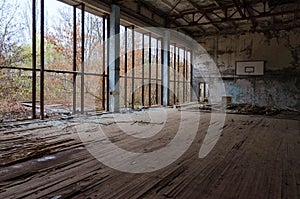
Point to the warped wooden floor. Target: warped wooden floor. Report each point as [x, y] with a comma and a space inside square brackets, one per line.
[255, 157]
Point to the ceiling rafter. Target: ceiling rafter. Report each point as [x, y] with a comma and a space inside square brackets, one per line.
[225, 12]
[213, 18]
[161, 14]
[183, 17]
[262, 15]
[172, 9]
[246, 7]
[239, 8]
[209, 9]
[203, 12]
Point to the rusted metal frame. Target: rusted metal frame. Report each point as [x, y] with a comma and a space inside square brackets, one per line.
[239, 19]
[258, 12]
[143, 69]
[199, 18]
[126, 67]
[184, 74]
[254, 23]
[156, 75]
[42, 62]
[150, 68]
[34, 59]
[132, 66]
[177, 81]
[161, 71]
[203, 12]
[208, 9]
[52, 71]
[174, 60]
[103, 62]
[178, 72]
[74, 57]
[139, 78]
[82, 57]
[230, 17]
[191, 74]
[158, 13]
[218, 15]
[225, 11]
[173, 8]
[238, 7]
[155, 11]
[19, 68]
[187, 21]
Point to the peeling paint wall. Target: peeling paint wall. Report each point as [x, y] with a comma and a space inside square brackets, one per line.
[280, 50]
[265, 91]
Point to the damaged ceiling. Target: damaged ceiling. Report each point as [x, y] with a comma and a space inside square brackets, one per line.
[201, 18]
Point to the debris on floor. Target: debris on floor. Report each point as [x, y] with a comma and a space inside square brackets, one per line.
[18, 111]
[12, 111]
[246, 109]
[252, 109]
[47, 159]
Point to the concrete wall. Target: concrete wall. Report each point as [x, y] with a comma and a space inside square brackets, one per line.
[281, 52]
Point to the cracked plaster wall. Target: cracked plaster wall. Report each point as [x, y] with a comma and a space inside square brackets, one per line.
[279, 86]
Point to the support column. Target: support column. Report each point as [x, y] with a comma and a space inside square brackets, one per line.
[42, 60]
[82, 58]
[165, 68]
[193, 97]
[74, 59]
[114, 59]
[33, 59]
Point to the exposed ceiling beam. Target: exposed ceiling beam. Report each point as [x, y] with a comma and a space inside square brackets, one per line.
[163, 15]
[203, 12]
[209, 9]
[238, 7]
[250, 13]
[173, 8]
[263, 15]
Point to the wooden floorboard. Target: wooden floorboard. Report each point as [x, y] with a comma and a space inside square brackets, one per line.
[255, 157]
